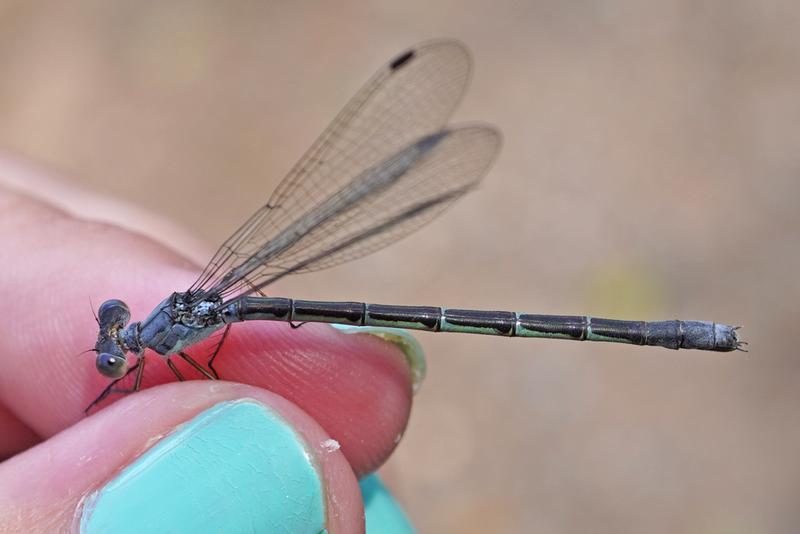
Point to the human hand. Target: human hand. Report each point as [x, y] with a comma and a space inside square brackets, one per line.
[279, 447]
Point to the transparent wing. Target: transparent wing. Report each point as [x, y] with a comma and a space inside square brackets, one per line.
[407, 99]
[386, 203]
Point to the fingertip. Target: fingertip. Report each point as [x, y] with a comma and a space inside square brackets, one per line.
[359, 388]
[188, 454]
[400, 339]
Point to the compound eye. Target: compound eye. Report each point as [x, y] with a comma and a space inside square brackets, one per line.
[113, 313]
[111, 366]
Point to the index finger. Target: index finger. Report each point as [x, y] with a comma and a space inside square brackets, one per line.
[357, 387]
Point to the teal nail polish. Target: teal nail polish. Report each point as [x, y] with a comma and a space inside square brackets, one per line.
[236, 467]
[415, 356]
[383, 513]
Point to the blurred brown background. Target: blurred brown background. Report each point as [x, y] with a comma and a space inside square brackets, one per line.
[650, 170]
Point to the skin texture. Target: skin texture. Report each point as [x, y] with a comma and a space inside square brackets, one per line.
[355, 389]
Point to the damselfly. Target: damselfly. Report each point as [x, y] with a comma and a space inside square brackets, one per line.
[386, 165]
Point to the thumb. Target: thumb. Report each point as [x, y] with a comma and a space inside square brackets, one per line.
[189, 457]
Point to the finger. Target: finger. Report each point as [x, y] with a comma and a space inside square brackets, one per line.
[357, 387]
[14, 434]
[194, 457]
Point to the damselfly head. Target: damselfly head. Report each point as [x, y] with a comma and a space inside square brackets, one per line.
[112, 316]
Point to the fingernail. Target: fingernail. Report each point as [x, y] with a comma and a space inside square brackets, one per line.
[236, 467]
[383, 513]
[415, 356]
